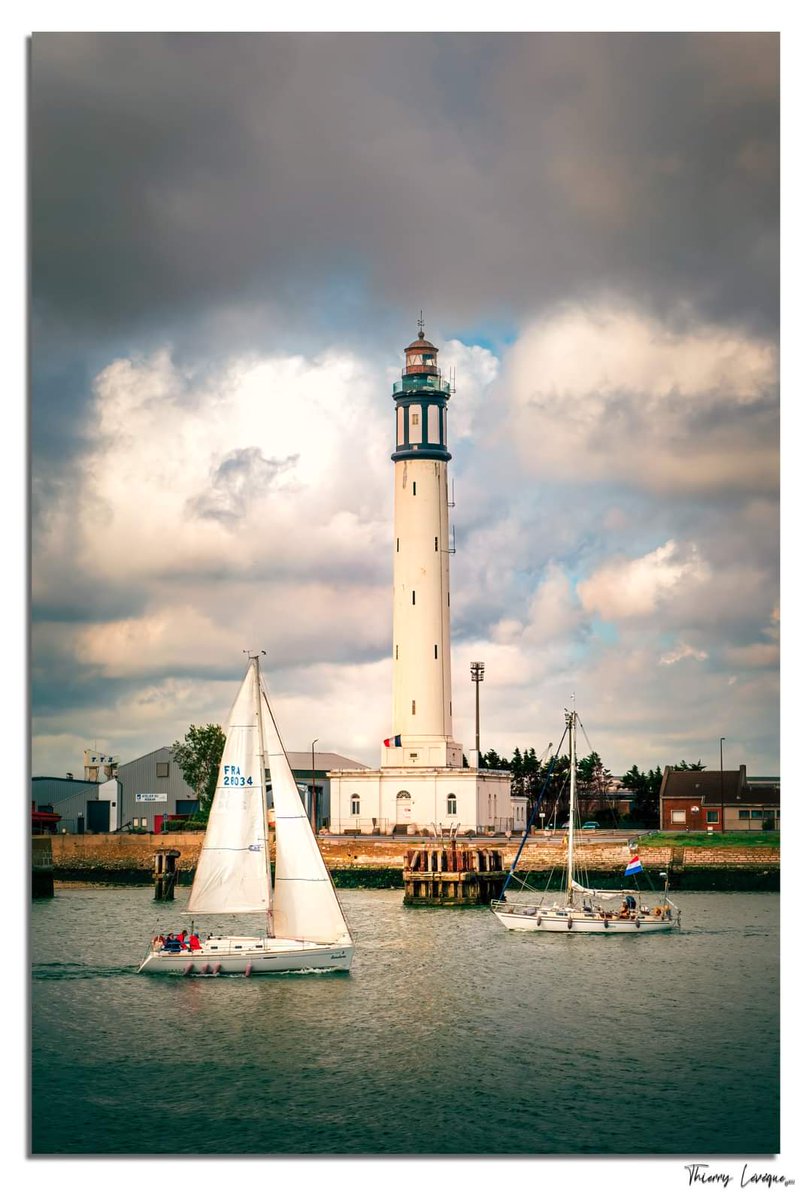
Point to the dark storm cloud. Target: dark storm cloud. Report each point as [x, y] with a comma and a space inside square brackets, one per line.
[176, 173]
[201, 202]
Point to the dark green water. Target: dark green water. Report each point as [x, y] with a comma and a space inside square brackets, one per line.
[450, 1036]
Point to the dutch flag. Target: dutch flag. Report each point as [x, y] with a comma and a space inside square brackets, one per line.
[392, 741]
[634, 867]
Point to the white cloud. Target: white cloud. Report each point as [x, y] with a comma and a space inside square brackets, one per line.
[682, 651]
[251, 509]
[605, 393]
[254, 473]
[475, 370]
[629, 588]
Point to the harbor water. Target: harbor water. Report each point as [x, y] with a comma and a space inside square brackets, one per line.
[450, 1036]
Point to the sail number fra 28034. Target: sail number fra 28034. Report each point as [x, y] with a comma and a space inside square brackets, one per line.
[233, 777]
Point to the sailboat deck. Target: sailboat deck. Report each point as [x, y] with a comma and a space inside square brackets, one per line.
[532, 918]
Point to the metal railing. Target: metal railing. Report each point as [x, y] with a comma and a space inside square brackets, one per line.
[421, 383]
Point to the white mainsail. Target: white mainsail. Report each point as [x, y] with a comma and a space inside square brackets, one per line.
[305, 904]
[232, 874]
[598, 894]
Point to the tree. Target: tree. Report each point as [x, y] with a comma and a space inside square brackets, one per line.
[198, 757]
[645, 808]
[555, 807]
[516, 768]
[531, 770]
[494, 762]
[684, 766]
[593, 782]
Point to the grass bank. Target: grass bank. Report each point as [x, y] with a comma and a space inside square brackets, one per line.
[656, 838]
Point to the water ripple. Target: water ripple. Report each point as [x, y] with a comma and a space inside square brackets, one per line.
[445, 1020]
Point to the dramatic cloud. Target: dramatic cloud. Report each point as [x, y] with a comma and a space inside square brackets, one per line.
[593, 387]
[232, 237]
[623, 589]
[209, 171]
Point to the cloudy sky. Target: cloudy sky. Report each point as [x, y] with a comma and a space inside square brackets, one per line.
[231, 239]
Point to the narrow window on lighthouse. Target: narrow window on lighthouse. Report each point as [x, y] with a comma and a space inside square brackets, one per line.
[397, 544]
[412, 597]
[436, 547]
[414, 707]
[435, 649]
[396, 651]
[414, 489]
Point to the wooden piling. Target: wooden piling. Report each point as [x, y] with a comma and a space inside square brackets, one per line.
[452, 876]
[165, 873]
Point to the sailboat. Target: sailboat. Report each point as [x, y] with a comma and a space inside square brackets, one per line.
[304, 927]
[581, 908]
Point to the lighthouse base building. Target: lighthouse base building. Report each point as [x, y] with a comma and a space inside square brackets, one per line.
[424, 800]
[422, 783]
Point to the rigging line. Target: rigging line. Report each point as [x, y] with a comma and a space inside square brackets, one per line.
[530, 819]
[586, 736]
[265, 699]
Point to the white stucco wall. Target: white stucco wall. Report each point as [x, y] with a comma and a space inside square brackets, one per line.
[483, 800]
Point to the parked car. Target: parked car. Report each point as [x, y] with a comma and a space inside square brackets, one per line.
[590, 825]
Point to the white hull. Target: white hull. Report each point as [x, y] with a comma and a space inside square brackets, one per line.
[249, 956]
[536, 919]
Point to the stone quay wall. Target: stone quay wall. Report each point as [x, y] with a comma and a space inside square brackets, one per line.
[378, 862]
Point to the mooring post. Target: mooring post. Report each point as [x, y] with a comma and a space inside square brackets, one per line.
[165, 873]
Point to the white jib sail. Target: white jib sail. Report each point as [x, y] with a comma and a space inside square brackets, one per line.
[232, 873]
[305, 904]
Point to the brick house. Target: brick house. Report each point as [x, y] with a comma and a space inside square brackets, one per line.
[692, 801]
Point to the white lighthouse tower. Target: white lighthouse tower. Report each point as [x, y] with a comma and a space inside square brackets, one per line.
[421, 626]
[421, 785]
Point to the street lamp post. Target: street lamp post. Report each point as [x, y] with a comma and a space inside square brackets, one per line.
[477, 674]
[721, 787]
[313, 790]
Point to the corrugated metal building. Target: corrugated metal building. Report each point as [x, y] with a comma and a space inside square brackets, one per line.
[144, 793]
[72, 798]
[147, 790]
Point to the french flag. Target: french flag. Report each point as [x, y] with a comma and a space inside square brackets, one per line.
[634, 867]
[393, 741]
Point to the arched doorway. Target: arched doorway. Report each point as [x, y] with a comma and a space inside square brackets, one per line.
[403, 808]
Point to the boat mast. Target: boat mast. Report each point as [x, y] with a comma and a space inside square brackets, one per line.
[570, 838]
[263, 770]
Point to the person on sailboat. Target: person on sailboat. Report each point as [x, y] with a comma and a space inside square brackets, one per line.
[194, 942]
[183, 937]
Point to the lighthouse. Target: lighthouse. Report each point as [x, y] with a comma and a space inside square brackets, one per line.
[422, 709]
[421, 785]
